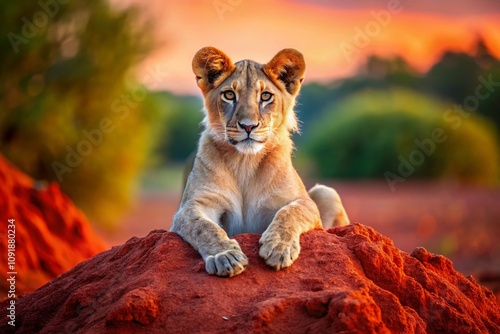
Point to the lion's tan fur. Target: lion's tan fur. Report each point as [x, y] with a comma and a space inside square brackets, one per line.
[243, 181]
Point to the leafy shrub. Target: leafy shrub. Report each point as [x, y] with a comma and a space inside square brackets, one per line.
[370, 133]
[181, 127]
[67, 88]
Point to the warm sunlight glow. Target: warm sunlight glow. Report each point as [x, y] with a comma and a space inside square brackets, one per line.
[334, 40]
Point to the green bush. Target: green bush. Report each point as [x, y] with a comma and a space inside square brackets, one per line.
[181, 127]
[66, 87]
[370, 133]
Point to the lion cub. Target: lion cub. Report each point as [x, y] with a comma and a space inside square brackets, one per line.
[242, 179]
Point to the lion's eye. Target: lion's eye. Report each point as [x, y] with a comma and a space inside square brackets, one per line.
[229, 95]
[266, 96]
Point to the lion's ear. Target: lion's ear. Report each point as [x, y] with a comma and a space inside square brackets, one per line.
[287, 70]
[211, 66]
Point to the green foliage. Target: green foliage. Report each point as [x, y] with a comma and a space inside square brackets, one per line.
[364, 135]
[64, 81]
[454, 77]
[181, 128]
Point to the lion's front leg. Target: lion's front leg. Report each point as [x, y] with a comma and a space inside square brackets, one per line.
[281, 240]
[222, 256]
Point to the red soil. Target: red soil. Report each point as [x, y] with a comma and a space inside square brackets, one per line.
[347, 279]
[460, 222]
[51, 234]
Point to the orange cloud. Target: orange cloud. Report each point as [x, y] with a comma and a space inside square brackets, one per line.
[258, 29]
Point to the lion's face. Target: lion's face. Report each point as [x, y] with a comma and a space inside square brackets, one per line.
[248, 104]
[247, 107]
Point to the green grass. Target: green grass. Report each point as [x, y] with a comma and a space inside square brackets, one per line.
[165, 178]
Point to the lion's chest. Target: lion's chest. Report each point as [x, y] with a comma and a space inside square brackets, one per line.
[254, 201]
[247, 217]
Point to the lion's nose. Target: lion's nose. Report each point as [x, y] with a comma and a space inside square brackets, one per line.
[248, 127]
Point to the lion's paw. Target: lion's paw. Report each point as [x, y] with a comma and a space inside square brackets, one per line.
[277, 253]
[226, 264]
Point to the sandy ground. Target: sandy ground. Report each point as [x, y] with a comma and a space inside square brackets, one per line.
[462, 223]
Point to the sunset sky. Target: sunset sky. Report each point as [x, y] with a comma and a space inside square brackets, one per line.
[334, 36]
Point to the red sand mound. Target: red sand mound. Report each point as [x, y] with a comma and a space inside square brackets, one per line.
[348, 279]
[51, 235]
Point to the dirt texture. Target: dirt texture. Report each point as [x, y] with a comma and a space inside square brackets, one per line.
[347, 279]
[49, 233]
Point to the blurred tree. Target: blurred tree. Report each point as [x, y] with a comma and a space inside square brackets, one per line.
[455, 76]
[70, 110]
[182, 126]
[372, 132]
[380, 73]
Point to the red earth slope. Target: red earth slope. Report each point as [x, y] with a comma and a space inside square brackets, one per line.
[51, 234]
[347, 279]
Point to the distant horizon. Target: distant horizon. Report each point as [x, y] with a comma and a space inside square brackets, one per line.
[335, 38]
[324, 81]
